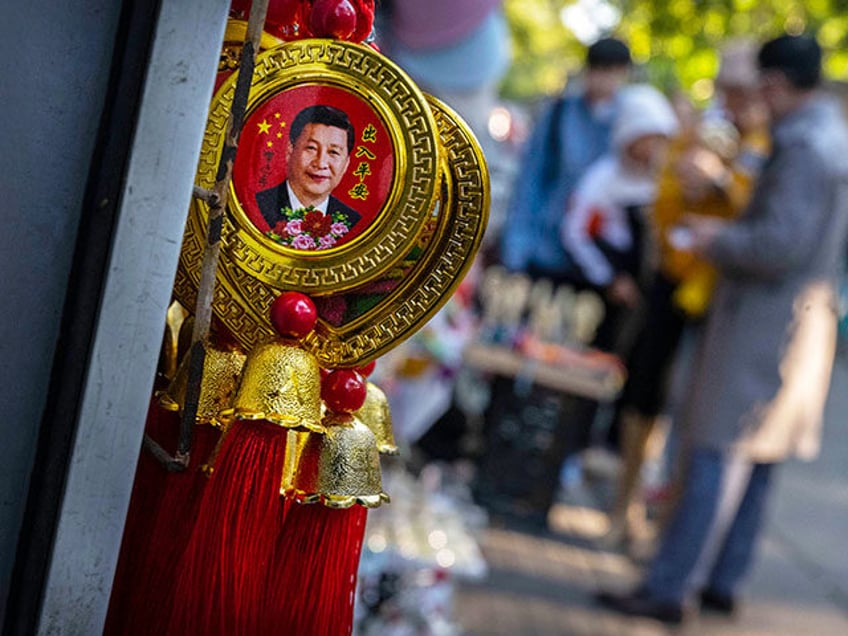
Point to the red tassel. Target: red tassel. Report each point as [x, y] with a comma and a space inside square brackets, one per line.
[148, 488]
[168, 537]
[162, 511]
[312, 589]
[223, 572]
[313, 584]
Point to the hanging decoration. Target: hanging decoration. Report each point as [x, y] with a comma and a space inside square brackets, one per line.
[333, 480]
[222, 575]
[355, 205]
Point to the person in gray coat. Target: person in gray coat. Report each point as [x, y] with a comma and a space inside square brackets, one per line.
[763, 371]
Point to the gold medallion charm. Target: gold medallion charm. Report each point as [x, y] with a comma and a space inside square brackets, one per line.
[350, 185]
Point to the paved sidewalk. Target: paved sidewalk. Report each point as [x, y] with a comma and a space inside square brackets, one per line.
[542, 583]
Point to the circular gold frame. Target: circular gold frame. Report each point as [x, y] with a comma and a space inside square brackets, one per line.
[242, 300]
[368, 75]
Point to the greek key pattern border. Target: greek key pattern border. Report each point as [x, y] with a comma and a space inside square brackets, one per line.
[242, 297]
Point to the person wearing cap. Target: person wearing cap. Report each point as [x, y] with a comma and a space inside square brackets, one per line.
[763, 370]
[571, 132]
[710, 170]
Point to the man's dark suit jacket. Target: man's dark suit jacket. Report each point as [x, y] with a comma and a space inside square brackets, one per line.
[273, 200]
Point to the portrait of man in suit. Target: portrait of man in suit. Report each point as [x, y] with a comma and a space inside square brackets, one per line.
[301, 211]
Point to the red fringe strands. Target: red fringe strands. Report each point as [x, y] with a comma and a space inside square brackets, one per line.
[221, 578]
[151, 480]
[312, 588]
[173, 525]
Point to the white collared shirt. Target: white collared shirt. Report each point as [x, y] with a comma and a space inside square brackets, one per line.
[296, 204]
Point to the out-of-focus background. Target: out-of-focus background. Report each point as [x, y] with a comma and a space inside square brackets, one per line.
[504, 403]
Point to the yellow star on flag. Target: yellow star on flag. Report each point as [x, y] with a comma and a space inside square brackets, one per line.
[264, 126]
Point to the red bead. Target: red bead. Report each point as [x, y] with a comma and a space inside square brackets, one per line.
[293, 314]
[343, 390]
[332, 19]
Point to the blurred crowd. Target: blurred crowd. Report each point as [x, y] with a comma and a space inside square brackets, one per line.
[704, 247]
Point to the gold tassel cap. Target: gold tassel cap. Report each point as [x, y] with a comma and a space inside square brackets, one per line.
[338, 469]
[280, 383]
[221, 369]
[376, 415]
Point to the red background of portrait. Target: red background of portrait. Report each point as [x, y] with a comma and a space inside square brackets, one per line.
[259, 166]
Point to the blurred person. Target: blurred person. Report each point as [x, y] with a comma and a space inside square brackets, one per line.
[571, 133]
[710, 170]
[763, 370]
[605, 229]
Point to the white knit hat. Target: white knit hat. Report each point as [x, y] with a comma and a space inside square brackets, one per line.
[642, 110]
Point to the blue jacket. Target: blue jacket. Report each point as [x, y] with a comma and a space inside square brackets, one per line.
[566, 139]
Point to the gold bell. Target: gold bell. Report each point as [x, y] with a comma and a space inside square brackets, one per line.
[375, 414]
[221, 369]
[338, 469]
[280, 383]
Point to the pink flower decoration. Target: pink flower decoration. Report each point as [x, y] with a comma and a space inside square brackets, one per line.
[338, 229]
[294, 227]
[303, 242]
[308, 229]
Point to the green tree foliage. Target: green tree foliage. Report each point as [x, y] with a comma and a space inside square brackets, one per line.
[674, 42]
